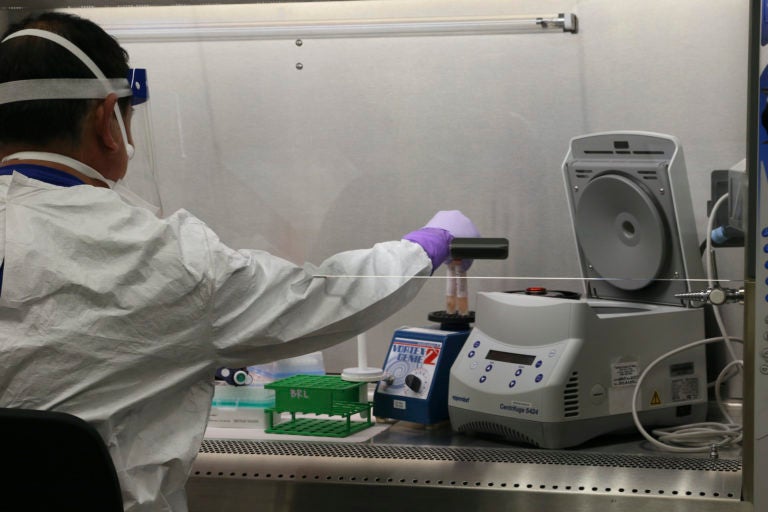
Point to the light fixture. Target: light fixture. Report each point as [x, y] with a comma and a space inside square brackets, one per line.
[389, 27]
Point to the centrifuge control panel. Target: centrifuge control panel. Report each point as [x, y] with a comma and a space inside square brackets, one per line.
[497, 368]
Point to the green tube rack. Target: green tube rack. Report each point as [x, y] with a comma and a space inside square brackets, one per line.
[319, 394]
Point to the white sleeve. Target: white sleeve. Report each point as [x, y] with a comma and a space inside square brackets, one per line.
[266, 308]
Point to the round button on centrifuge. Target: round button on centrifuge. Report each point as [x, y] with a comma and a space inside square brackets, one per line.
[518, 372]
[597, 394]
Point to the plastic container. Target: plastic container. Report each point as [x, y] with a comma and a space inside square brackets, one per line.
[309, 364]
[240, 406]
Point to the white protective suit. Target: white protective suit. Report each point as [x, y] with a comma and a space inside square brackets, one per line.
[121, 318]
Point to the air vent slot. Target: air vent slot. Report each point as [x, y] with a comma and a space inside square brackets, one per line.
[648, 152]
[494, 429]
[583, 173]
[648, 175]
[598, 152]
[571, 396]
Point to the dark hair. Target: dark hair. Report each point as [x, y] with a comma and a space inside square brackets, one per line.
[39, 122]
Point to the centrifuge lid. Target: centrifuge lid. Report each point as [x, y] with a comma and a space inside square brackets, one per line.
[632, 216]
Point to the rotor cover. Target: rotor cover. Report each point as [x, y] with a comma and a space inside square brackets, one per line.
[632, 216]
[621, 231]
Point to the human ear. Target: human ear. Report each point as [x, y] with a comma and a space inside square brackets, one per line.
[106, 123]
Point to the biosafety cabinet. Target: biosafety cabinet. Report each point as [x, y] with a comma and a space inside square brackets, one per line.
[368, 115]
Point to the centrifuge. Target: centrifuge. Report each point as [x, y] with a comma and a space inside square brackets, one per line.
[555, 368]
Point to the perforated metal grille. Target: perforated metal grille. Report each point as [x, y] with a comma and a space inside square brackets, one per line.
[496, 455]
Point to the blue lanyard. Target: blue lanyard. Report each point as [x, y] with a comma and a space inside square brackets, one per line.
[42, 173]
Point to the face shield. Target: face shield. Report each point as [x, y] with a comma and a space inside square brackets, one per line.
[142, 189]
[140, 180]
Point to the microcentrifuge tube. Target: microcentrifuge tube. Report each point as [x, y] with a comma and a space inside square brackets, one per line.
[450, 289]
[462, 295]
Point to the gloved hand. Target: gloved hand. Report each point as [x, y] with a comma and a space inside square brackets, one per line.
[435, 237]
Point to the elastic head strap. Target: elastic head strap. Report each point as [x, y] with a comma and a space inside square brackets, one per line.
[59, 89]
[85, 59]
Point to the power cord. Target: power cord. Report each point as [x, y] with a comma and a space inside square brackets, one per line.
[694, 437]
[698, 437]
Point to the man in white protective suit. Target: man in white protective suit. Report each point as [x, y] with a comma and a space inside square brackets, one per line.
[121, 318]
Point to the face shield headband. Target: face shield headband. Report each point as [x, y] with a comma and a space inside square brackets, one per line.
[76, 88]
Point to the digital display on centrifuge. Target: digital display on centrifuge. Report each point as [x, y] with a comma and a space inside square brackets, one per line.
[509, 357]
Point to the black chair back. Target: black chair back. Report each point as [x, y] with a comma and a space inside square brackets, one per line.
[55, 461]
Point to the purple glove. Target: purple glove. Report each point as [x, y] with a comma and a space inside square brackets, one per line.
[435, 241]
[454, 222]
[435, 238]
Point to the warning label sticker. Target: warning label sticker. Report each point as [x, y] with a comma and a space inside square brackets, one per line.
[655, 399]
[685, 389]
[624, 374]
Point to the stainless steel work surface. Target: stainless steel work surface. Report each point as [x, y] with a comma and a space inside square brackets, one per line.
[408, 468]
